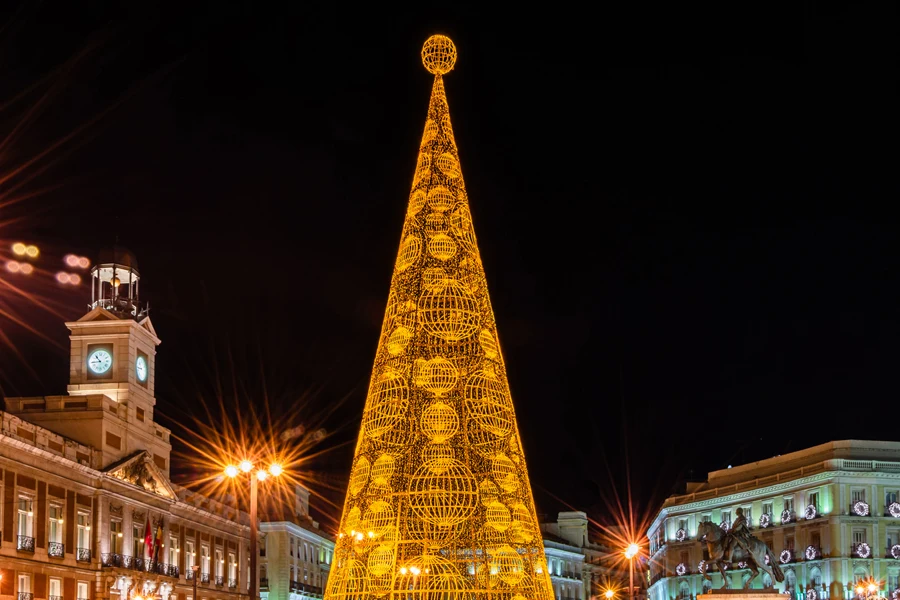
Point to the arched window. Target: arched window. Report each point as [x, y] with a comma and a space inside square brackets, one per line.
[766, 580]
[815, 578]
[684, 590]
[860, 574]
[790, 580]
[744, 579]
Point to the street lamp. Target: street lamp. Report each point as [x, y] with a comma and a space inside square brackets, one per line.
[630, 552]
[245, 466]
[609, 594]
[196, 570]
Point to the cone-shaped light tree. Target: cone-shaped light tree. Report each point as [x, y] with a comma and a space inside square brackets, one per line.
[439, 505]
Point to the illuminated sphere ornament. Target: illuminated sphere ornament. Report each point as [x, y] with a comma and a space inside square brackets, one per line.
[439, 55]
[438, 504]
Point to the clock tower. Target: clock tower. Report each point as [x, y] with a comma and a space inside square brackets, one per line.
[112, 371]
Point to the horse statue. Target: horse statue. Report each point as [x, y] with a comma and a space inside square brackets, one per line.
[721, 545]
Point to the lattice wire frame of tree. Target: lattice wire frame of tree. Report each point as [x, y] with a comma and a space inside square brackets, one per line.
[439, 504]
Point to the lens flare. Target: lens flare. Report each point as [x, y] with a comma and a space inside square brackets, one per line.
[12, 266]
[19, 249]
[246, 466]
[231, 471]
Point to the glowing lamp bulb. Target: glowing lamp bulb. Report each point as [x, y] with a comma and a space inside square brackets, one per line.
[115, 281]
[246, 466]
[403, 570]
[120, 534]
[275, 469]
[860, 590]
[19, 248]
[231, 471]
[30, 513]
[609, 593]
[872, 587]
[632, 551]
[414, 570]
[261, 475]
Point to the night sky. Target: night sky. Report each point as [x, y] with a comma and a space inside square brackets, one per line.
[687, 217]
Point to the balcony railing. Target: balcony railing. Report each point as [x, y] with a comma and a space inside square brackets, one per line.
[296, 586]
[83, 555]
[204, 577]
[232, 583]
[189, 574]
[25, 544]
[56, 549]
[220, 581]
[861, 550]
[25, 596]
[54, 598]
[264, 583]
[113, 560]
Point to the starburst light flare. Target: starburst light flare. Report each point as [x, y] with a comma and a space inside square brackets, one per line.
[439, 483]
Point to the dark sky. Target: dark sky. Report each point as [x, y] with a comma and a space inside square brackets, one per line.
[687, 216]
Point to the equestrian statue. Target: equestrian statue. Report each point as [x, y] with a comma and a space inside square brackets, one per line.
[737, 544]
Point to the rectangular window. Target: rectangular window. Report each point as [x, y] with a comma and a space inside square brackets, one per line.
[173, 550]
[726, 517]
[889, 498]
[857, 495]
[789, 504]
[55, 526]
[292, 546]
[814, 499]
[83, 593]
[685, 557]
[707, 518]
[815, 539]
[140, 414]
[113, 441]
[55, 588]
[204, 559]
[767, 508]
[115, 537]
[859, 536]
[789, 543]
[26, 516]
[24, 583]
[83, 530]
[189, 555]
[232, 567]
[137, 541]
[892, 538]
[748, 514]
[220, 562]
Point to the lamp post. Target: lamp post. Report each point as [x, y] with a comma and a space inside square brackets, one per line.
[196, 570]
[630, 552]
[246, 467]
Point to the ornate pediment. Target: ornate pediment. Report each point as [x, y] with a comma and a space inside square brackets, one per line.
[139, 470]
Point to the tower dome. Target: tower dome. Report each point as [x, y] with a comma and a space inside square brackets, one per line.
[115, 283]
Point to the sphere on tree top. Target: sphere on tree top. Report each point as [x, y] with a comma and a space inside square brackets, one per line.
[438, 54]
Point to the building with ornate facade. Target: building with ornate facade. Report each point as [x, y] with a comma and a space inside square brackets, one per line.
[89, 511]
[580, 569]
[830, 513]
[295, 555]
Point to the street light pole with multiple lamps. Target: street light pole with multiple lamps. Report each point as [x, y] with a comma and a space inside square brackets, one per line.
[246, 467]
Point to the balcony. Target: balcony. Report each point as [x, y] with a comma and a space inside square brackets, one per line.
[83, 555]
[25, 596]
[25, 543]
[113, 560]
[220, 581]
[204, 577]
[312, 590]
[264, 583]
[54, 598]
[189, 574]
[232, 583]
[861, 550]
[56, 549]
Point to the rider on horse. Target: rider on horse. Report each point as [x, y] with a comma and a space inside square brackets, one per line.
[738, 534]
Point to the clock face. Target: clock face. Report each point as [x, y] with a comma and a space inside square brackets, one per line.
[140, 368]
[99, 361]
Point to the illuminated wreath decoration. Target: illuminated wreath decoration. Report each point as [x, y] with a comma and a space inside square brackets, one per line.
[681, 569]
[895, 594]
[811, 553]
[812, 594]
[725, 525]
[894, 509]
[863, 550]
[785, 557]
[810, 513]
[895, 551]
[765, 520]
[680, 535]
[701, 567]
[768, 560]
[785, 516]
[861, 509]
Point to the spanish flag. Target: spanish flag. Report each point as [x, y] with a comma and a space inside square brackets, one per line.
[159, 539]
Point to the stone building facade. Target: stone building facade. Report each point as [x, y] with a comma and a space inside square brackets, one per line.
[830, 513]
[580, 569]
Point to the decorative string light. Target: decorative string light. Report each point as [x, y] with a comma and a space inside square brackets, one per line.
[811, 512]
[765, 520]
[439, 504]
[861, 509]
[680, 535]
[786, 556]
[786, 516]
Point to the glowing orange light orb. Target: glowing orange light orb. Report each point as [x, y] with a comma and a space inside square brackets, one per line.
[246, 466]
[231, 471]
[438, 54]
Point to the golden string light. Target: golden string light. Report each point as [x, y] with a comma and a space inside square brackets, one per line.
[439, 504]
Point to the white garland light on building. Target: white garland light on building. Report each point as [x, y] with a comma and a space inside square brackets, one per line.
[811, 553]
[895, 551]
[681, 569]
[863, 550]
[785, 557]
[680, 535]
[810, 513]
[894, 510]
[812, 594]
[785, 516]
[861, 509]
[765, 520]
